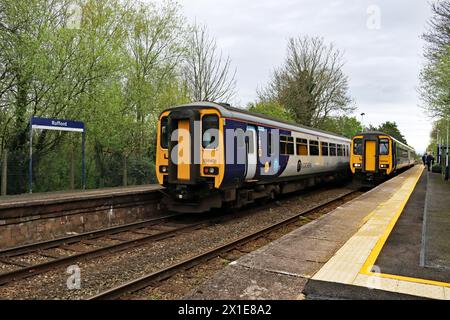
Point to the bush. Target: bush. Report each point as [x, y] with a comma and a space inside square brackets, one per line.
[436, 168]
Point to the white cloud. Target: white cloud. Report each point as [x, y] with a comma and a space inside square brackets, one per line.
[382, 64]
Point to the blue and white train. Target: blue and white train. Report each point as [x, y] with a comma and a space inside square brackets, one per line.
[212, 155]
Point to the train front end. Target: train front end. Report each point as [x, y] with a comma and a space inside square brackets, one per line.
[190, 158]
[371, 155]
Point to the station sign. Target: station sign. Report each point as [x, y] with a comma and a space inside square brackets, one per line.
[57, 124]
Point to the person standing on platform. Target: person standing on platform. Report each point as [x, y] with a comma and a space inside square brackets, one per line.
[430, 160]
[424, 159]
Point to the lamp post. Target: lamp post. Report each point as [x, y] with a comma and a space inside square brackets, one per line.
[438, 147]
[446, 157]
[362, 120]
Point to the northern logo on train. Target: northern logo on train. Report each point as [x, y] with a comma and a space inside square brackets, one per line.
[299, 165]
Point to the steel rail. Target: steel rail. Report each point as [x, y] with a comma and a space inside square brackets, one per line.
[65, 261]
[47, 244]
[148, 279]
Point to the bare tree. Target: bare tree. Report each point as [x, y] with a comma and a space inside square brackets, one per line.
[206, 72]
[438, 35]
[311, 84]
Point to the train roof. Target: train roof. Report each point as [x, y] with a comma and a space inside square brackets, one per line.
[372, 133]
[243, 114]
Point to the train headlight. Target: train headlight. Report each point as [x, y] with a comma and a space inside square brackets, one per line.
[357, 165]
[384, 166]
[163, 169]
[211, 170]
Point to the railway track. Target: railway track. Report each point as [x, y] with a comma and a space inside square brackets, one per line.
[152, 278]
[146, 231]
[47, 244]
[73, 244]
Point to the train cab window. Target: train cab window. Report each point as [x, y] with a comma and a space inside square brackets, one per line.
[210, 131]
[324, 147]
[302, 147]
[286, 145]
[384, 147]
[313, 148]
[339, 150]
[164, 133]
[357, 147]
[332, 149]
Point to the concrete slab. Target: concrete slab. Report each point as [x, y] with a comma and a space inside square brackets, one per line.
[237, 282]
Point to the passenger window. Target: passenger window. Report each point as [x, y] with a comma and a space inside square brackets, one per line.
[324, 147]
[384, 147]
[313, 148]
[332, 149]
[357, 147]
[339, 150]
[286, 145]
[302, 147]
[164, 133]
[210, 131]
[290, 145]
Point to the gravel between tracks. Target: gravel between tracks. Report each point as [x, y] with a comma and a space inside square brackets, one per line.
[102, 273]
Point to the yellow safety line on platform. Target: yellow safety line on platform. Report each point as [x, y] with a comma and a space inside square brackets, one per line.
[371, 259]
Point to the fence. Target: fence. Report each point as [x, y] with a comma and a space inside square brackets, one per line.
[61, 170]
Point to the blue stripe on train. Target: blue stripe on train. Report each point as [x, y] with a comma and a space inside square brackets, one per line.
[234, 172]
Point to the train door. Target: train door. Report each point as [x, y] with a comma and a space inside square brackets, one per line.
[370, 155]
[184, 148]
[251, 148]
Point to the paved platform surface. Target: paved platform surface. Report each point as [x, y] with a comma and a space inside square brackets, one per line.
[436, 251]
[419, 244]
[393, 251]
[281, 269]
[62, 196]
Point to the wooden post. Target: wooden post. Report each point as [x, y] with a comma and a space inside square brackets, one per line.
[125, 171]
[5, 172]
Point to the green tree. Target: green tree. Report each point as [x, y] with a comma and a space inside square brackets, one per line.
[391, 128]
[343, 125]
[115, 68]
[270, 108]
[435, 76]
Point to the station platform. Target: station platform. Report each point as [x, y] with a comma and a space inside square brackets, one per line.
[390, 243]
[44, 216]
[44, 198]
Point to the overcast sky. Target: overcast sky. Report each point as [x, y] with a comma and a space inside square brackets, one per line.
[380, 40]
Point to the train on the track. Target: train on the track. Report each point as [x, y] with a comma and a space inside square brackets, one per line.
[376, 156]
[211, 155]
